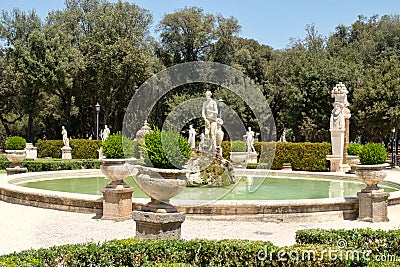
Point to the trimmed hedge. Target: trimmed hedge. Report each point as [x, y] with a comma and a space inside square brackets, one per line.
[81, 148]
[54, 164]
[378, 241]
[302, 156]
[136, 252]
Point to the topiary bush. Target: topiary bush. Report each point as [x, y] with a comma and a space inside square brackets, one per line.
[354, 149]
[165, 150]
[15, 143]
[373, 153]
[117, 146]
[238, 146]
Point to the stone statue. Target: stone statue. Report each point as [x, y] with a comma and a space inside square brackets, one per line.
[65, 136]
[220, 133]
[337, 116]
[192, 137]
[209, 113]
[250, 141]
[105, 133]
[202, 142]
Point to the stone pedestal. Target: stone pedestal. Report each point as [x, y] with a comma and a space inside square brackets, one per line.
[66, 152]
[31, 151]
[373, 205]
[152, 225]
[251, 157]
[15, 170]
[117, 203]
[335, 162]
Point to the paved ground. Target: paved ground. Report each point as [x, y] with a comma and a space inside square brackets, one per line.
[23, 227]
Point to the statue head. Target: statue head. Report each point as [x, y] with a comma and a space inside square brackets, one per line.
[208, 94]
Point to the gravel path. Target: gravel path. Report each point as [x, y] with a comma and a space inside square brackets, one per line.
[24, 227]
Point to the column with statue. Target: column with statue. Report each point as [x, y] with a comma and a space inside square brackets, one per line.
[339, 128]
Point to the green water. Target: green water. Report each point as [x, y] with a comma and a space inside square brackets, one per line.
[269, 188]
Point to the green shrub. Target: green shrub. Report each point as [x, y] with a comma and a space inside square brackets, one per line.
[117, 146]
[373, 153]
[55, 164]
[49, 148]
[238, 146]
[81, 148]
[165, 149]
[378, 241]
[354, 149]
[15, 143]
[85, 149]
[173, 252]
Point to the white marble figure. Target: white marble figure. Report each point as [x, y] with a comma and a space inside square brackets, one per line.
[105, 133]
[337, 116]
[192, 137]
[250, 141]
[65, 136]
[220, 133]
[202, 142]
[209, 113]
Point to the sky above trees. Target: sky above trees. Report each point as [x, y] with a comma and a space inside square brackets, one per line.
[273, 23]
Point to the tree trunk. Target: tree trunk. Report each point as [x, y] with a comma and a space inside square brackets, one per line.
[29, 129]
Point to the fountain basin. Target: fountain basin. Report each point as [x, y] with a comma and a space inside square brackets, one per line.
[265, 210]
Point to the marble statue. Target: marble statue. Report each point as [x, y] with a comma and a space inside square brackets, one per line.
[202, 142]
[209, 113]
[220, 132]
[337, 120]
[105, 133]
[192, 137]
[65, 136]
[250, 141]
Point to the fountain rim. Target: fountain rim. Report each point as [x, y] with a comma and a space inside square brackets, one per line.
[265, 210]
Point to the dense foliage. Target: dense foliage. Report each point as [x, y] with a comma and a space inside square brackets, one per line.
[81, 148]
[54, 70]
[317, 248]
[40, 165]
[166, 150]
[302, 156]
[372, 153]
[238, 146]
[354, 149]
[117, 146]
[15, 143]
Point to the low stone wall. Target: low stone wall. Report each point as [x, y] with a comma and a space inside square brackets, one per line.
[303, 210]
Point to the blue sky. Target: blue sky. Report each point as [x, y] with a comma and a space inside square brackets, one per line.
[269, 22]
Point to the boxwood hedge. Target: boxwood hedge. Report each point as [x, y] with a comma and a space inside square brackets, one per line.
[81, 148]
[302, 156]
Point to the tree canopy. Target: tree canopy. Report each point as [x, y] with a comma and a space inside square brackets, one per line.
[54, 71]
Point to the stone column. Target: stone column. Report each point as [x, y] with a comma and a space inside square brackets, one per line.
[117, 203]
[152, 225]
[339, 128]
[66, 152]
[373, 205]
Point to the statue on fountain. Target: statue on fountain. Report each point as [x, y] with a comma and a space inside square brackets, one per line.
[209, 113]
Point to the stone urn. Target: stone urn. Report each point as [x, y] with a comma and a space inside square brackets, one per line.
[115, 169]
[371, 175]
[352, 161]
[15, 156]
[161, 185]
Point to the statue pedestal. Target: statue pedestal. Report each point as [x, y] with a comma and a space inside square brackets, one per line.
[15, 170]
[372, 206]
[31, 151]
[117, 203]
[251, 157]
[66, 153]
[152, 225]
[335, 162]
